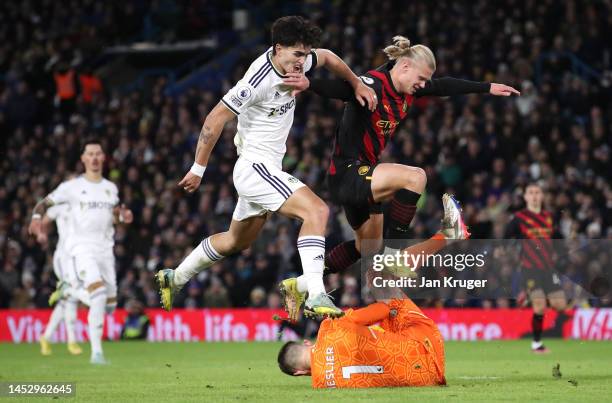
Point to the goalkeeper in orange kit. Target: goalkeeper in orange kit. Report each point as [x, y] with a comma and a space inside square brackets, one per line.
[405, 348]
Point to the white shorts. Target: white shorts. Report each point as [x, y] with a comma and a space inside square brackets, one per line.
[62, 266]
[92, 268]
[261, 188]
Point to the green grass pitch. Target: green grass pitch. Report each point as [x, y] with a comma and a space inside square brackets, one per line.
[213, 372]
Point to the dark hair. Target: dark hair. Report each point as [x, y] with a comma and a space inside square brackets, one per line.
[293, 30]
[287, 357]
[91, 140]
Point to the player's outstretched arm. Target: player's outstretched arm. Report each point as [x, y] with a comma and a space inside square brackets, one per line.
[211, 130]
[327, 88]
[449, 86]
[370, 314]
[364, 94]
[502, 90]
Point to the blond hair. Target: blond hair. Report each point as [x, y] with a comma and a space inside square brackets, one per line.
[401, 48]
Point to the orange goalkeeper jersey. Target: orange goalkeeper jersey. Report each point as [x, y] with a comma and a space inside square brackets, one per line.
[406, 350]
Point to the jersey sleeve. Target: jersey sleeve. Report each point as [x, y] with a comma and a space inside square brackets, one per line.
[331, 88]
[53, 212]
[115, 193]
[61, 194]
[371, 314]
[375, 83]
[243, 95]
[448, 86]
[311, 62]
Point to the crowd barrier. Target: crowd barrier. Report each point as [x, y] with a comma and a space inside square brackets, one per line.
[237, 325]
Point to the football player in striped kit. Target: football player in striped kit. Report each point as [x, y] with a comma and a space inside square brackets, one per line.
[264, 106]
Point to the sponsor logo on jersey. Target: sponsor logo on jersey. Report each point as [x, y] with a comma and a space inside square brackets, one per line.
[293, 179]
[367, 80]
[244, 93]
[276, 94]
[387, 126]
[363, 170]
[96, 205]
[281, 110]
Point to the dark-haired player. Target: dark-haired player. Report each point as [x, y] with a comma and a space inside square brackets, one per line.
[264, 105]
[535, 227]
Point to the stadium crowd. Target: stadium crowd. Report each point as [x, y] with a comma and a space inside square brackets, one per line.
[482, 149]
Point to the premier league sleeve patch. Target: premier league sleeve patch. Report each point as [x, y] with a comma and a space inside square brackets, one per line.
[244, 93]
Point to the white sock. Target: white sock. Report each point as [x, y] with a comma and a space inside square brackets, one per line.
[202, 257]
[56, 317]
[302, 283]
[312, 255]
[95, 318]
[70, 314]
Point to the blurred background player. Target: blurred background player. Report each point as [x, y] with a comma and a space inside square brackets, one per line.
[406, 349]
[536, 228]
[357, 181]
[93, 203]
[265, 106]
[65, 308]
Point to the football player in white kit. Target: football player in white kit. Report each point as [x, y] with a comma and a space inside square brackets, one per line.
[94, 208]
[65, 309]
[265, 105]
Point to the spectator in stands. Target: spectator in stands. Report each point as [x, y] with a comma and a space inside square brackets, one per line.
[137, 323]
[150, 135]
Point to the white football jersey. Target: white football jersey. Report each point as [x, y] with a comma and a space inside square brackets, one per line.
[91, 214]
[60, 213]
[265, 109]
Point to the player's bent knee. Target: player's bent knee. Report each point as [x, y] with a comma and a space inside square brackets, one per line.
[317, 213]
[416, 179]
[322, 212]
